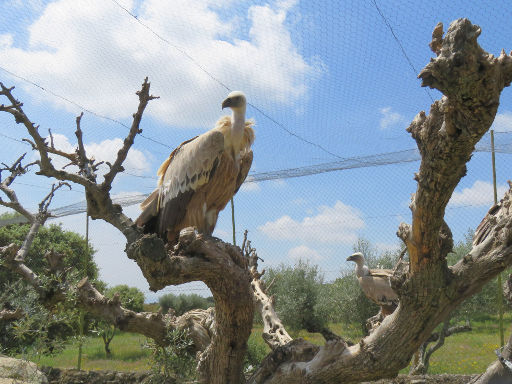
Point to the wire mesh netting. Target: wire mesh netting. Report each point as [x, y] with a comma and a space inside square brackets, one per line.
[331, 85]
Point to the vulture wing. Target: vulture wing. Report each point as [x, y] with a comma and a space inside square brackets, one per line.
[245, 165]
[381, 272]
[377, 286]
[189, 166]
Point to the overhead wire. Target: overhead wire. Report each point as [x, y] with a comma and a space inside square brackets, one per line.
[224, 85]
[404, 53]
[81, 107]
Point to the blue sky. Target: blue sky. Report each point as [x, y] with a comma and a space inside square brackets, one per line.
[330, 72]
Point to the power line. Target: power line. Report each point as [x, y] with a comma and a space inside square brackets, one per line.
[388, 24]
[398, 157]
[218, 81]
[91, 112]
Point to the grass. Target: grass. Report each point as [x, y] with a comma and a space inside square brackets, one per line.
[127, 354]
[464, 353]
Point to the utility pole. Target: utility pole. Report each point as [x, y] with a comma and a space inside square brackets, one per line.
[82, 314]
[500, 288]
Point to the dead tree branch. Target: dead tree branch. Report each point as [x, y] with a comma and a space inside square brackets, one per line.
[274, 333]
[15, 170]
[421, 362]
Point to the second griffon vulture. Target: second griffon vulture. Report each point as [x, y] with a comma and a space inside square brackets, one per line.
[200, 176]
[375, 284]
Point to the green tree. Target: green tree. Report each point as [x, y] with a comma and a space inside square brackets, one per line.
[131, 298]
[297, 291]
[42, 327]
[483, 304]
[183, 303]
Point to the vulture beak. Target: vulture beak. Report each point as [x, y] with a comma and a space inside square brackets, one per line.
[227, 103]
[350, 258]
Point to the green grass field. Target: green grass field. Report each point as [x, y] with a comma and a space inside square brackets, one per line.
[127, 354]
[463, 353]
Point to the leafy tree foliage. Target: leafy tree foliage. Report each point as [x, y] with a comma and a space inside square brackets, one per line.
[77, 254]
[297, 291]
[131, 298]
[42, 327]
[483, 304]
[183, 303]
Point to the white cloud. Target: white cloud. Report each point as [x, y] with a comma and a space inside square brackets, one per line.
[305, 253]
[332, 224]
[92, 52]
[390, 118]
[503, 122]
[279, 183]
[481, 193]
[136, 162]
[250, 186]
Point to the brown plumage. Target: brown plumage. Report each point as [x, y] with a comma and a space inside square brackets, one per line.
[200, 176]
[376, 284]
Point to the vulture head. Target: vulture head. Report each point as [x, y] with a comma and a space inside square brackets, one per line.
[357, 258]
[235, 101]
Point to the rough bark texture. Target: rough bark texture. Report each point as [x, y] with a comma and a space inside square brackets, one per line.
[471, 81]
[274, 333]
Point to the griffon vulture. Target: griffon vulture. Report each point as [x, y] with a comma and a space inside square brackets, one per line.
[375, 284]
[200, 176]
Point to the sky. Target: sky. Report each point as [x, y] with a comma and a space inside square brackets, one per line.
[325, 81]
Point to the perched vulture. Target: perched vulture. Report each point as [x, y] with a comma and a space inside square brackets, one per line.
[201, 176]
[375, 284]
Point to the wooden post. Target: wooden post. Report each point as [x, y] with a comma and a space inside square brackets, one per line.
[82, 315]
[500, 288]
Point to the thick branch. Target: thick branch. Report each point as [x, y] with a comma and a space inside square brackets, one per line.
[471, 81]
[8, 315]
[13, 260]
[153, 325]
